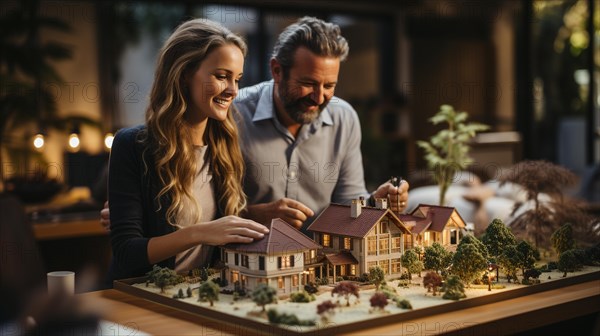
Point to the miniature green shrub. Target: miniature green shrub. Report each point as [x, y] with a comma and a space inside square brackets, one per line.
[593, 254]
[301, 297]
[404, 304]
[311, 288]
[287, 319]
[454, 289]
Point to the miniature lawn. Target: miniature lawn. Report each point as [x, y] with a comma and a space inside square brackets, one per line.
[358, 310]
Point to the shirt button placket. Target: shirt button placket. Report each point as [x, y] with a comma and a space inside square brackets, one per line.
[292, 176]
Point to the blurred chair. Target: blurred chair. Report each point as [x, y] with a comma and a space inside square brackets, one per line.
[21, 267]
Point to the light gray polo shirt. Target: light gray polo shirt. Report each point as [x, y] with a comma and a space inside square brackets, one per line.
[322, 165]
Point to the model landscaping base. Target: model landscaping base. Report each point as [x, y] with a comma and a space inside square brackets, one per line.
[245, 313]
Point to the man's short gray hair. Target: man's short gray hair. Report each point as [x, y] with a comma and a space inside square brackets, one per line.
[320, 37]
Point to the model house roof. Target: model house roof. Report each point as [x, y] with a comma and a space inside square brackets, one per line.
[415, 224]
[430, 217]
[336, 220]
[341, 258]
[282, 238]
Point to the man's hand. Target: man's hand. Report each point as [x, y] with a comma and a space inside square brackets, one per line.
[396, 195]
[291, 211]
[105, 217]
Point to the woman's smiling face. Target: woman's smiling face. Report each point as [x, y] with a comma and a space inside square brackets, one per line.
[214, 85]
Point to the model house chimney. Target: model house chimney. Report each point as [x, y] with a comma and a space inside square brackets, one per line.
[381, 203]
[356, 208]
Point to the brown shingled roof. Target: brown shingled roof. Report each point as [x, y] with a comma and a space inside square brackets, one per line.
[437, 215]
[282, 237]
[336, 220]
[342, 258]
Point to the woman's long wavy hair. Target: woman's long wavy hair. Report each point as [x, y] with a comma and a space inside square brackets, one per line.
[168, 131]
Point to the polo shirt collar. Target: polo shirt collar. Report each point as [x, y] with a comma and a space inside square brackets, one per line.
[265, 109]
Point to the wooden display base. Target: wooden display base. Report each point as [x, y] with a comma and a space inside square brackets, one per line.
[244, 325]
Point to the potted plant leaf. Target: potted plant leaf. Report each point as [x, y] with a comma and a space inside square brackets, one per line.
[447, 151]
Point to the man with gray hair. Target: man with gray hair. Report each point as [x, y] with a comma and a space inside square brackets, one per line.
[301, 144]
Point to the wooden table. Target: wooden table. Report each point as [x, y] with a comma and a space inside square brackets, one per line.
[69, 229]
[499, 318]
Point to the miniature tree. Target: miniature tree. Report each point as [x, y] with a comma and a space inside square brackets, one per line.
[164, 277]
[454, 289]
[378, 301]
[345, 289]
[526, 255]
[208, 291]
[264, 294]
[470, 239]
[510, 260]
[376, 276]
[411, 261]
[562, 239]
[447, 152]
[469, 262]
[152, 273]
[568, 262]
[436, 257]
[538, 177]
[432, 281]
[326, 309]
[497, 237]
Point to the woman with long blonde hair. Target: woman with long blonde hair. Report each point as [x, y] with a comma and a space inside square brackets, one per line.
[175, 183]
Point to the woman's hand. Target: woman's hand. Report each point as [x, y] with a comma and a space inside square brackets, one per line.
[225, 230]
[229, 229]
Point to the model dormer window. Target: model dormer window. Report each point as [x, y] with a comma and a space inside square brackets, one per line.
[383, 226]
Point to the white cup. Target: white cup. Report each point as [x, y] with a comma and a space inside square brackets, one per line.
[61, 282]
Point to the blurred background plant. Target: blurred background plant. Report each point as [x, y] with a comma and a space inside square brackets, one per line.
[448, 151]
[28, 83]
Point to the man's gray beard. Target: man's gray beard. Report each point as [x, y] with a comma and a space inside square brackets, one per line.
[304, 117]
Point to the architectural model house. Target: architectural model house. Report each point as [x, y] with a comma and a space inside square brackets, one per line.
[353, 239]
[429, 224]
[356, 238]
[284, 259]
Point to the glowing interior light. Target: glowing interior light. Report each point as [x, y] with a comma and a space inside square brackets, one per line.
[74, 141]
[38, 141]
[108, 140]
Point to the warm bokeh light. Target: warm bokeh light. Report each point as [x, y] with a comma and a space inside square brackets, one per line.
[74, 141]
[38, 141]
[108, 140]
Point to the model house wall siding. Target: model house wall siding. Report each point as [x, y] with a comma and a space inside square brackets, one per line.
[280, 278]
